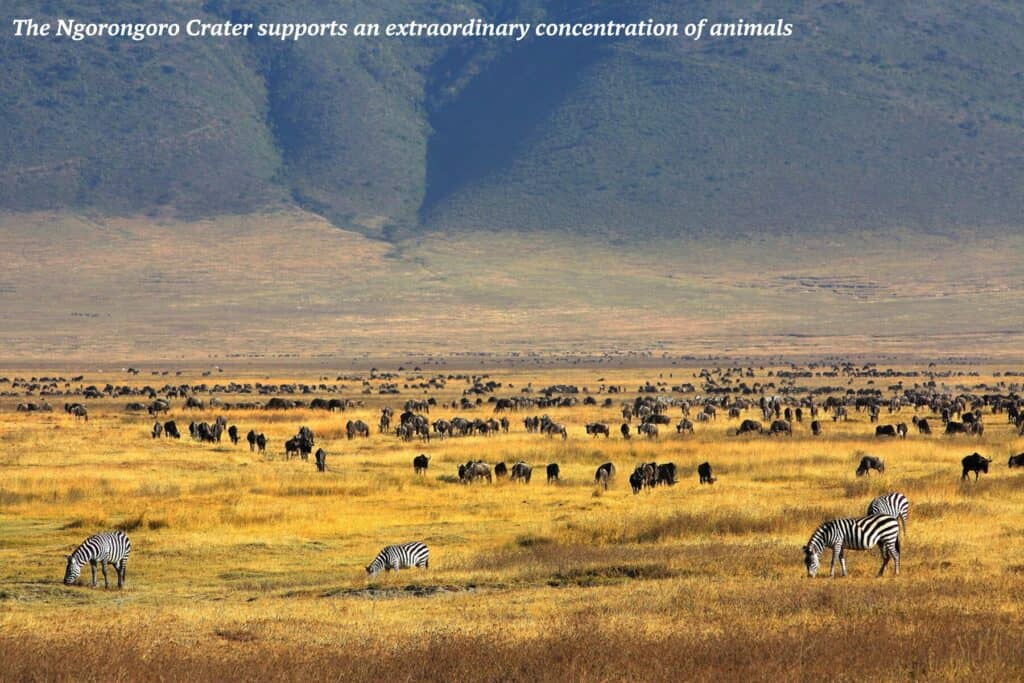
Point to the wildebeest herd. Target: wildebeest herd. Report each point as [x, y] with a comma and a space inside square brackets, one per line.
[781, 409]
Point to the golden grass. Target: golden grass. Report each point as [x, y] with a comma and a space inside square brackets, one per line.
[252, 568]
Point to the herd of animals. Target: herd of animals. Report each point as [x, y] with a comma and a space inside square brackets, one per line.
[961, 413]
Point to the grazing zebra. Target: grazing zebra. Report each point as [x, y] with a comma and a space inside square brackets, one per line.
[854, 534]
[402, 556]
[108, 547]
[892, 504]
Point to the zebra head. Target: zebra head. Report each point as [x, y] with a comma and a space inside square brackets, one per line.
[73, 571]
[811, 560]
[374, 567]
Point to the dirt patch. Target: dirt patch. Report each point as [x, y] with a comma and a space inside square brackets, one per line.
[403, 592]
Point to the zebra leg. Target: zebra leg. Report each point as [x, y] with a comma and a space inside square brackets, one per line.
[842, 561]
[92, 565]
[895, 560]
[885, 559]
[103, 565]
[121, 569]
[832, 565]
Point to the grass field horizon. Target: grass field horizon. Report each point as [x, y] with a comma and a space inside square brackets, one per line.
[250, 567]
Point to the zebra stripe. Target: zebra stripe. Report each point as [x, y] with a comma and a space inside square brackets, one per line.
[111, 547]
[893, 504]
[401, 556]
[860, 533]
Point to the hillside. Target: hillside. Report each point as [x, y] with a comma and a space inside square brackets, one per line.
[870, 117]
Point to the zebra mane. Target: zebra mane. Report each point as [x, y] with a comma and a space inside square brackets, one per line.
[817, 542]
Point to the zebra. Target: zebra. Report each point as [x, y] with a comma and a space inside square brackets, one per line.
[892, 504]
[401, 556]
[854, 534]
[110, 547]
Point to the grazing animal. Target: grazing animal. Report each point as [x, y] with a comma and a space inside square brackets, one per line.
[400, 556]
[780, 427]
[521, 472]
[893, 504]
[421, 462]
[553, 472]
[684, 426]
[953, 428]
[704, 472]
[749, 427]
[473, 470]
[901, 430]
[261, 443]
[923, 427]
[111, 547]
[596, 428]
[77, 410]
[501, 470]
[233, 434]
[816, 428]
[976, 463]
[647, 429]
[624, 430]
[171, 429]
[604, 474]
[356, 428]
[321, 460]
[863, 533]
[636, 480]
[1016, 460]
[666, 474]
[870, 462]
[885, 430]
[157, 430]
[251, 438]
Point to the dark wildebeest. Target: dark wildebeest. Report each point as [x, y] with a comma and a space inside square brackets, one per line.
[604, 474]
[975, 462]
[977, 428]
[749, 426]
[501, 470]
[421, 462]
[251, 438]
[473, 470]
[171, 429]
[624, 430]
[157, 430]
[780, 427]
[233, 434]
[291, 447]
[885, 430]
[816, 428]
[636, 480]
[953, 428]
[261, 443]
[596, 428]
[1016, 460]
[870, 462]
[923, 427]
[553, 472]
[666, 474]
[521, 472]
[321, 460]
[356, 428]
[901, 430]
[77, 410]
[799, 414]
[704, 472]
[684, 426]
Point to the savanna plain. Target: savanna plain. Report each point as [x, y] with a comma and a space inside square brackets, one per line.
[251, 567]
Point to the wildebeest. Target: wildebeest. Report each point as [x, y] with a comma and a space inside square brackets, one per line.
[321, 460]
[356, 428]
[473, 470]
[704, 472]
[171, 430]
[77, 410]
[923, 427]
[666, 474]
[780, 427]
[261, 443]
[604, 474]
[501, 470]
[953, 427]
[157, 430]
[553, 472]
[521, 472]
[975, 462]
[647, 429]
[816, 428]
[870, 462]
[684, 426]
[251, 438]
[596, 428]
[636, 481]
[233, 434]
[420, 463]
[1016, 460]
[749, 426]
[624, 430]
[885, 430]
